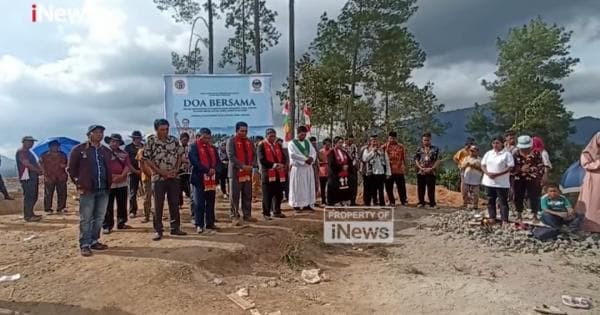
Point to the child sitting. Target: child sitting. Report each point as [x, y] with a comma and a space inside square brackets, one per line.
[558, 211]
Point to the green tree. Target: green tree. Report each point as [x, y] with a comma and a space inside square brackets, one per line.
[480, 126]
[532, 62]
[238, 14]
[526, 96]
[368, 49]
[188, 11]
[186, 63]
[415, 110]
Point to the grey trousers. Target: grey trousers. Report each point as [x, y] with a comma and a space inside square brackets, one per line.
[30, 195]
[170, 188]
[245, 190]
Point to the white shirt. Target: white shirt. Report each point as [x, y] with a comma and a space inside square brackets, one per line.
[497, 162]
[546, 159]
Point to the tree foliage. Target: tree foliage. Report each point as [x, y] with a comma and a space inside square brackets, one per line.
[360, 70]
[239, 17]
[186, 11]
[526, 96]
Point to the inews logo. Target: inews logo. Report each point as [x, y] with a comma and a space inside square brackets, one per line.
[50, 13]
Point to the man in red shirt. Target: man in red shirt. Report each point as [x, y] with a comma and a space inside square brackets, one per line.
[397, 155]
[54, 164]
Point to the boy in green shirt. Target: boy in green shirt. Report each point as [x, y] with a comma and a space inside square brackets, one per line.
[558, 211]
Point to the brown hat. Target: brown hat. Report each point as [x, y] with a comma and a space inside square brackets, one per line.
[28, 138]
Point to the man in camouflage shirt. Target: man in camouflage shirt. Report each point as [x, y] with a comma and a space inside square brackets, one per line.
[163, 154]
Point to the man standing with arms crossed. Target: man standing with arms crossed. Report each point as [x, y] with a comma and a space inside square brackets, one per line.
[163, 154]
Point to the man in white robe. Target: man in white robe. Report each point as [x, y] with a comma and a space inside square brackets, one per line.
[302, 177]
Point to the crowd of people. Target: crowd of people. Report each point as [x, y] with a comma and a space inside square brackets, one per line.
[162, 167]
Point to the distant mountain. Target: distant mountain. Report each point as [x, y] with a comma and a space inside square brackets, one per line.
[457, 120]
[8, 167]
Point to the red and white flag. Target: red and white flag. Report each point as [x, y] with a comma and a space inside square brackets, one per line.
[307, 114]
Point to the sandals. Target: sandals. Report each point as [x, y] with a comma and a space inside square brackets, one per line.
[577, 302]
[545, 309]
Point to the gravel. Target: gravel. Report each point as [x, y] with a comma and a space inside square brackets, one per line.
[456, 225]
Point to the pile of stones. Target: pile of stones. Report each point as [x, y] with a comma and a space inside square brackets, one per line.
[463, 224]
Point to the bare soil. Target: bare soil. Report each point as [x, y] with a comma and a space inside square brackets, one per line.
[421, 273]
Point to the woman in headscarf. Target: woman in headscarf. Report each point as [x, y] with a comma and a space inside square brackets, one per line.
[538, 146]
[589, 202]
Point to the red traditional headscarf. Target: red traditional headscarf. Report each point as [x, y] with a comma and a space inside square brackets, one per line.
[538, 144]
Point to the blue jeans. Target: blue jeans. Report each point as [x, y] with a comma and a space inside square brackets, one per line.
[556, 221]
[92, 209]
[204, 207]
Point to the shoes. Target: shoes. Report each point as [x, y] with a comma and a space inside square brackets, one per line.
[199, 230]
[124, 227]
[99, 246]
[49, 211]
[8, 198]
[267, 218]
[86, 252]
[157, 237]
[309, 209]
[212, 227]
[145, 220]
[106, 231]
[249, 219]
[34, 218]
[279, 215]
[178, 233]
[421, 206]
[61, 211]
[132, 215]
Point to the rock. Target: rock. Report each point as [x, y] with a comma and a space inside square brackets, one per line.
[218, 281]
[264, 285]
[272, 283]
[243, 292]
[311, 276]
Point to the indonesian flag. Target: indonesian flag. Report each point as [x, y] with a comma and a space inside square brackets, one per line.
[307, 114]
[286, 108]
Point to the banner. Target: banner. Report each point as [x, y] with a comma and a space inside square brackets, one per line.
[218, 102]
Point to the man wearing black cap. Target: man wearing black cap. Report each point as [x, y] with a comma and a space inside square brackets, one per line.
[29, 172]
[273, 172]
[119, 166]
[135, 171]
[54, 164]
[90, 172]
[163, 153]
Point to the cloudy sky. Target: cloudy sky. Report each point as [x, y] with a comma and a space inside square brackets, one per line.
[58, 78]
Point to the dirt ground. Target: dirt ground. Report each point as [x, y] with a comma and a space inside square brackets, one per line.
[422, 272]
